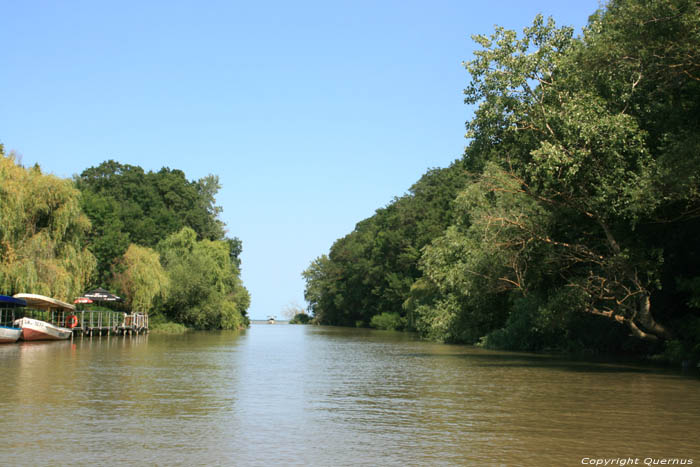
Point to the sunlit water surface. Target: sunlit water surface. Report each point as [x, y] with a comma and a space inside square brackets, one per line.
[302, 395]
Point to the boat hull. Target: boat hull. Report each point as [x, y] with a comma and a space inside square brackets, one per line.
[37, 330]
[9, 335]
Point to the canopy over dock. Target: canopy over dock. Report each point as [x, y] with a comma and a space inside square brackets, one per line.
[41, 302]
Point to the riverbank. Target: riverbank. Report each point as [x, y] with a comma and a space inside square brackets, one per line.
[673, 359]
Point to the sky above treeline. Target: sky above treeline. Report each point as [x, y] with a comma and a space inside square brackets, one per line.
[312, 114]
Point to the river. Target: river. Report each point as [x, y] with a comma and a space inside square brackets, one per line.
[306, 395]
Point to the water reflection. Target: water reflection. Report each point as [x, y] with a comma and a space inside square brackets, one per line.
[297, 395]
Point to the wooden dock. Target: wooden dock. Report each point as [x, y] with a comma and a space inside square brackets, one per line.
[86, 322]
[102, 323]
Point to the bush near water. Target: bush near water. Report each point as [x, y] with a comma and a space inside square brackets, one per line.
[300, 318]
[388, 321]
[572, 220]
[152, 237]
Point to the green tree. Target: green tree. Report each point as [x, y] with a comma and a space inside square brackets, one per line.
[128, 205]
[596, 168]
[42, 233]
[577, 223]
[371, 270]
[576, 153]
[108, 238]
[205, 288]
[141, 278]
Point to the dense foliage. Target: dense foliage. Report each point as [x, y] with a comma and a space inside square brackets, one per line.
[577, 225]
[371, 270]
[127, 205]
[153, 237]
[300, 318]
[141, 278]
[43, 233]
[205, 290]
[158, 240]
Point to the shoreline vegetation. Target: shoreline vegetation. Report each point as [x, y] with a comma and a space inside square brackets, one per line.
[571, 222]
[168, 327]
[152, 237]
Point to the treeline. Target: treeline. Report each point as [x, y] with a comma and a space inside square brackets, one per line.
[572, 220]
[152, 237]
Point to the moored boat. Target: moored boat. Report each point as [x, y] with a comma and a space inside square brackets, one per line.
[8, 308]
[38, 330]
[9, 334]
[55, 311]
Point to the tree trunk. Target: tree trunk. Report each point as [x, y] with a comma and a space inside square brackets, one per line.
[636, 332]
[646, 320]
[643, 316]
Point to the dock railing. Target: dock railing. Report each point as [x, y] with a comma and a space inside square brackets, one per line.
[98, 322]
[134, 323]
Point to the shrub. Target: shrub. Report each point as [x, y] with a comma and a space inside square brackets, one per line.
[388, 321]
[300, 318]
[168, 327]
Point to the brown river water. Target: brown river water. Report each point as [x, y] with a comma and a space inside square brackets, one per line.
[302, 395]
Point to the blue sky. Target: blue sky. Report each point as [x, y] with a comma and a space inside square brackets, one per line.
[313, 114]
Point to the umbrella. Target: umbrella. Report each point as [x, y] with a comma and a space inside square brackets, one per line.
[101, 295]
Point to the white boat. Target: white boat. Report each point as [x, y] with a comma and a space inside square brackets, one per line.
[9, 310]
[9, 334]
[56, 311]
[37, 330]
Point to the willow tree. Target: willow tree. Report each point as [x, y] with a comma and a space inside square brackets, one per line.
[206, 291]
[140, 277]
[42, 233]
